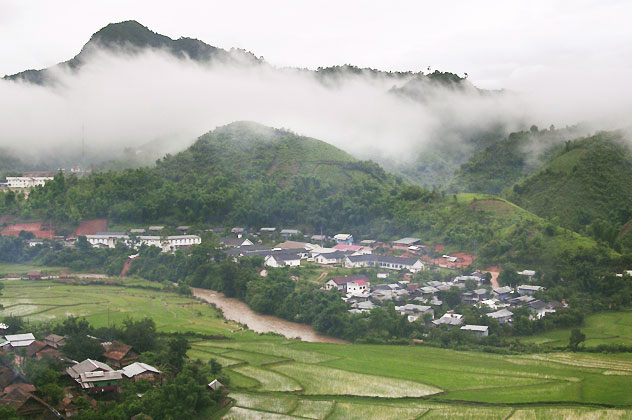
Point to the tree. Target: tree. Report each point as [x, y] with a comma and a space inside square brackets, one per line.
[140, 334]
[14, 324]
[80, 347]
[509, 275]
[577, 337]
[178, 347]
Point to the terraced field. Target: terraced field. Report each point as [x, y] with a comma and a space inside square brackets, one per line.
[602, 328]
[277, 378]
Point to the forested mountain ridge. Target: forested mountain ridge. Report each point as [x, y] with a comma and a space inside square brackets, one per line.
[436, 159]
[130, 36]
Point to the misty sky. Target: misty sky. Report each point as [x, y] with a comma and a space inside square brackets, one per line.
[499, 43]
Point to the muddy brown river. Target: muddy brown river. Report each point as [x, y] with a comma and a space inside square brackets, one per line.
[236, 310]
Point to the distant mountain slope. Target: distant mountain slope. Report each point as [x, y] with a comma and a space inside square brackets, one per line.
[502, 162]
[132, 36]
[438, 155]
[587, 180]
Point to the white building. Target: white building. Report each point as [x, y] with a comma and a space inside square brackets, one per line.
[166, 244]
[357, 287]
[107, 239]
[478, 330]
[413, 265]
[170, 243]
[281, 260]
[27, 181]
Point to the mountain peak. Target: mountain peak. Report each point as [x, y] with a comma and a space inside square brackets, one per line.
[131, 36]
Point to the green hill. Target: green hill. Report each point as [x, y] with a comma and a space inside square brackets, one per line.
[250, 175]
[250, 151]
[585, 186]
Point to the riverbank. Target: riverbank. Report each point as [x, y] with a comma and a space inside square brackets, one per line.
[238, 311]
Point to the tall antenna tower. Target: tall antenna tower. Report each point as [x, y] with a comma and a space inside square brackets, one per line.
[83, 143]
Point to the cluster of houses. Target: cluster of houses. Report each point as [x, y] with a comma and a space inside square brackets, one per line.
[118, 363]
[343, 253]
[150, 237]
[419, 301]
[340, 249]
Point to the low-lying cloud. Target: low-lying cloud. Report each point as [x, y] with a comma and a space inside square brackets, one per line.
[118, 100]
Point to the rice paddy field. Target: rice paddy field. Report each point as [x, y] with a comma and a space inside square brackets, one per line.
[601, 328]
[277, 378]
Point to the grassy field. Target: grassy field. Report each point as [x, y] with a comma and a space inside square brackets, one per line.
[22, 269]
[603, 328]
[273, 377]
[99, 304]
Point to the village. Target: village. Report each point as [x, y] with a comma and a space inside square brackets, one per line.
[397, 270]
[84, 383]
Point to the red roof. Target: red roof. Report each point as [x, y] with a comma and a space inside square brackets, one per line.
[92, 227]
[117, 351]
[347, 279]
[344, 247]
[361, 282]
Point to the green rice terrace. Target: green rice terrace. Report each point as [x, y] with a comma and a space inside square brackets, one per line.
[277, 378]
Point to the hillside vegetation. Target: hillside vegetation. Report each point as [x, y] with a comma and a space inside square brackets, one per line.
[245, 174]
[501, 162]
[586, 186]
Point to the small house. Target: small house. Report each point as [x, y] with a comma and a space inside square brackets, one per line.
[503, 316]
[137, 371]
[215, 385]
[340, 283]
[330, 258]
[19, 340]
[119, 354]
[344, 238]
[28, 405]
[527, 289]
[235, 242]
[405, 243]
[34, 275]
[55, 340]
[477, 330]
[288, 233]
[282, 260]
[502, 293]
[95, 376]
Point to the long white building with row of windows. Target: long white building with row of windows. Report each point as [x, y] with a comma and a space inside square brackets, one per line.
[165, 243]
[27, 181]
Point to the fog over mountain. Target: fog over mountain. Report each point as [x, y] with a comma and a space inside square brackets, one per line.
[131, 91]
